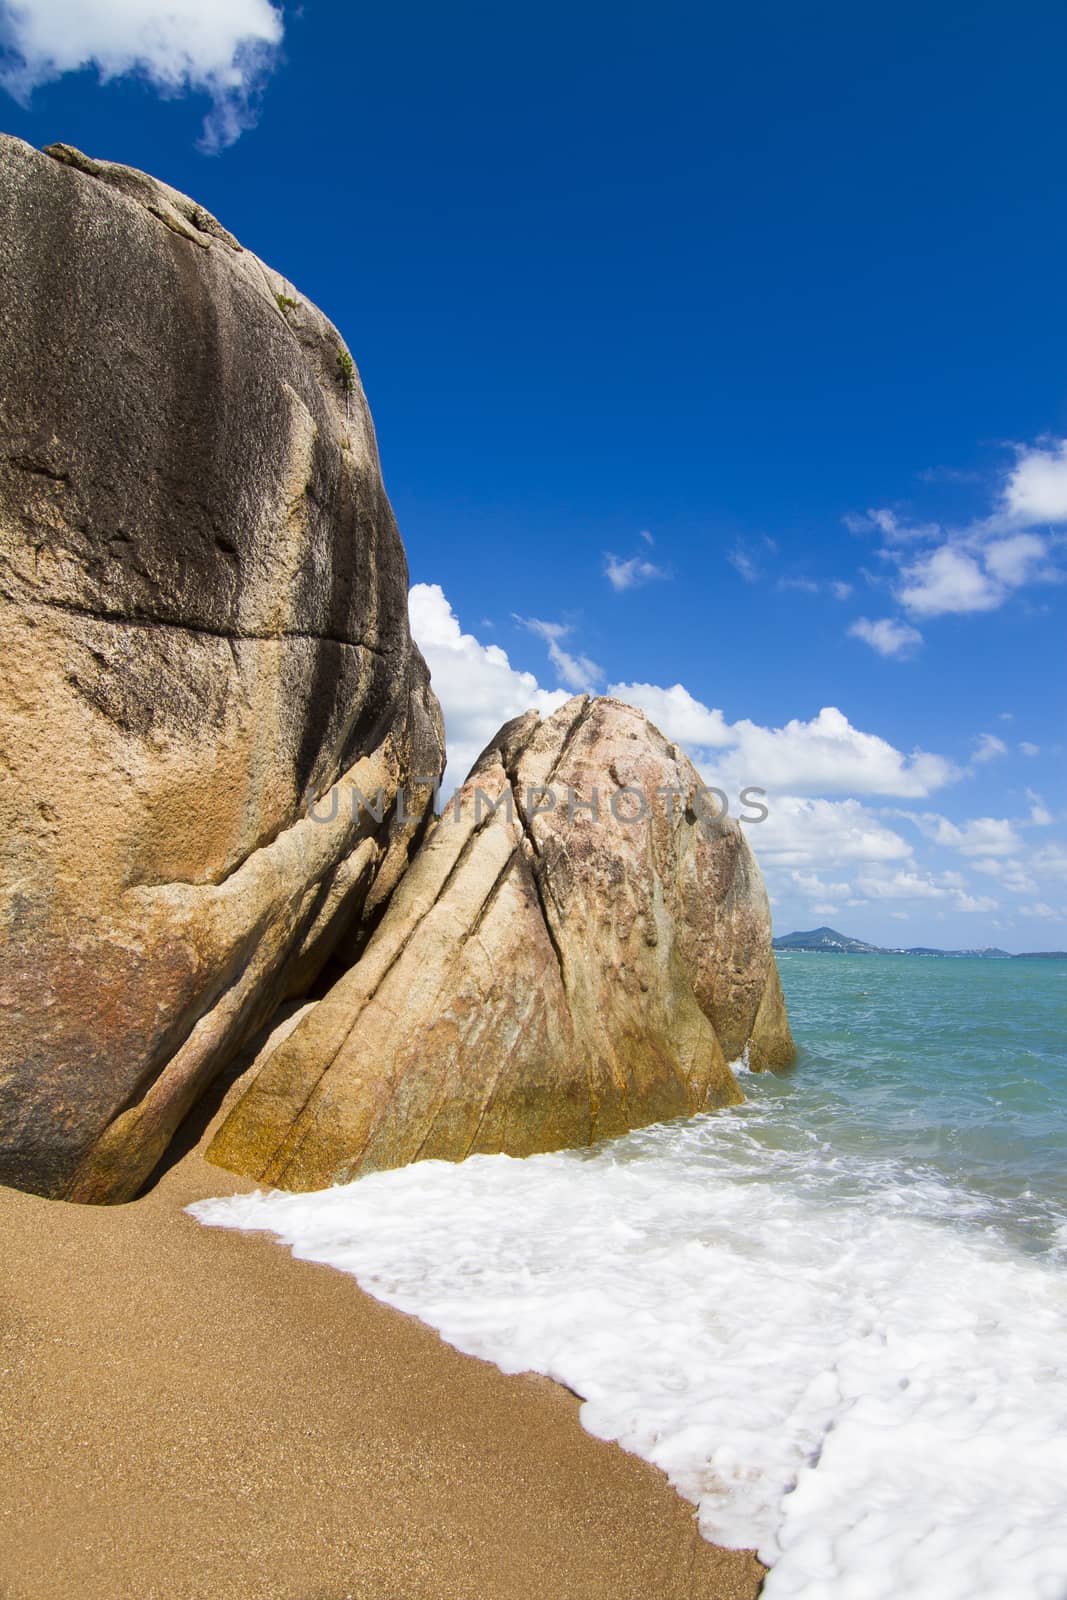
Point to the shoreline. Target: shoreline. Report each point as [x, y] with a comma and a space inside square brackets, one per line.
[188, 1412]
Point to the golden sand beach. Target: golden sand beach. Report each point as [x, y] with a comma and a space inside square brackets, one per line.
[190, 1414]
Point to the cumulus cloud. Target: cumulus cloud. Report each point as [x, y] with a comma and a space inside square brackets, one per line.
[576, 671]
[976, 902]
[677, 714]
[630, 574]
[1036, 489]
[803, 832]
[477, 686]
[222, 48]
[1029, 749]
[823, 756]
[1017, 560]
[888, 637]
[973, 573]
[1009, 873]
[811, 883]
[1050, 861]
[884, 883]
[907, 884]
[914, 883]
[827, 755]
[948, 580]
[978, 567]
[980, 836]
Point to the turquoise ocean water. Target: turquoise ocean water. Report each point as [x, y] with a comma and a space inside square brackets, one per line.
[954, 1070]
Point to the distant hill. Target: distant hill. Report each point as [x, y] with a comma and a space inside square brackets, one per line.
[829, 941]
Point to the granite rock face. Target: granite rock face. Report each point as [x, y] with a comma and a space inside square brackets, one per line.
[204, 601]
[543, 976]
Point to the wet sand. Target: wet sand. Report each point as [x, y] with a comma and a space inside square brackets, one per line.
[190, 1414]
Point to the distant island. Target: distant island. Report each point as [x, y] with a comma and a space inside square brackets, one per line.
[829, 941]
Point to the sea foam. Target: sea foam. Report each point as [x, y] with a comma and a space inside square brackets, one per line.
[845, 1365]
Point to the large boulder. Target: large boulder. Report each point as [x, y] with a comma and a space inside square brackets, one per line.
[205, 622]
[544, 976]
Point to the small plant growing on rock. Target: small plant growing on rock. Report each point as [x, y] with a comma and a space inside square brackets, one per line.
[286, 303]
[346, 371]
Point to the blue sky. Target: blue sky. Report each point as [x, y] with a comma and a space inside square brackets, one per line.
[717, 356]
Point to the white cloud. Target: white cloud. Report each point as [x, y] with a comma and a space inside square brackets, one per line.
[829, 756]
[978, 567]
[981, 836]
[976, 902]
[885, 882]
[1029, 749]
[988, 747]
[888, 637]
[824, 756]
[1041, 908]
[948, 580]
[1017, 560]
[630, 574]
[1008, 872]
[1050, 860]
[222, 48]
[840, 590]
[914, 884]
[477, 686]
[677, 714]
[1040, 815]
[1036, 490]
[811, 883]
[576, 671]
[907, 884]
[823, 834]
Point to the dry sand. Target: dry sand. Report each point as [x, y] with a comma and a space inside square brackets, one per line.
[190, 1414]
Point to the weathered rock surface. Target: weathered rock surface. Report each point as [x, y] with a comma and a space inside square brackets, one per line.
[542, 978]
[204, 615]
